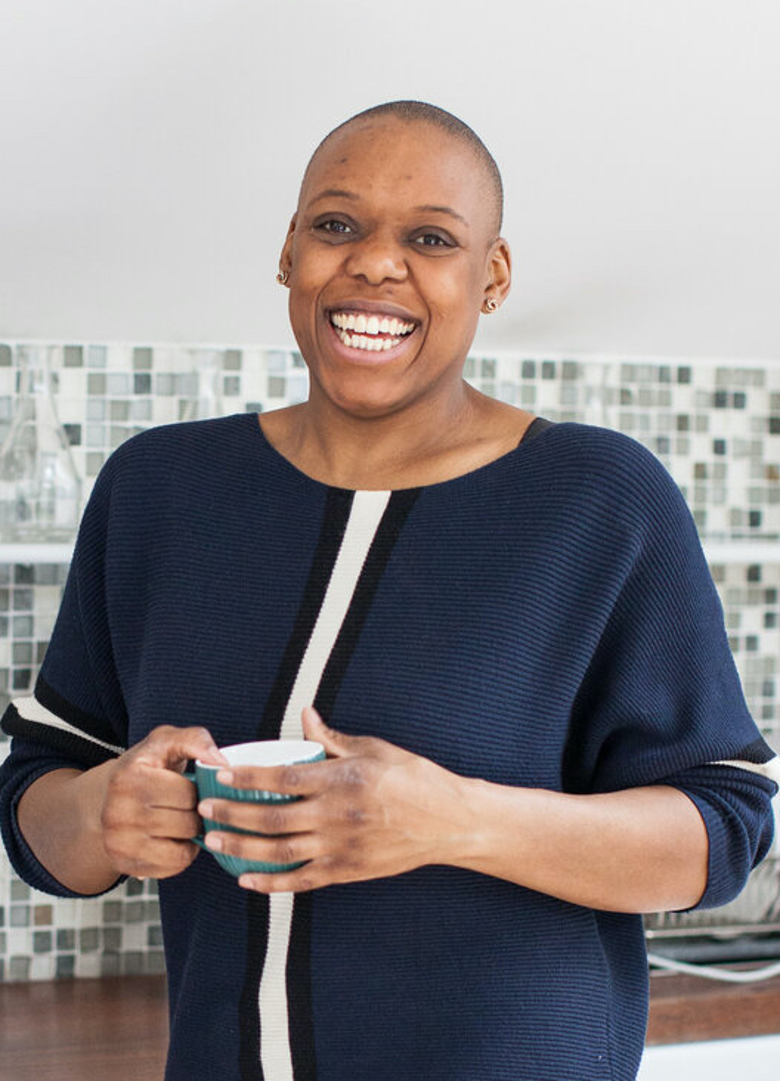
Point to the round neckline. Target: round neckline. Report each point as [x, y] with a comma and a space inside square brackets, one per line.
[522, 445]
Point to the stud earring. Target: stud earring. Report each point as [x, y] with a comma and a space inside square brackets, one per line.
[283, 277]
[490, 306]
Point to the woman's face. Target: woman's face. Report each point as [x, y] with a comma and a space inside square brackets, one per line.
[391, 255]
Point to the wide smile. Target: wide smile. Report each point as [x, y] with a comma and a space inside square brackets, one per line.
[370, 332]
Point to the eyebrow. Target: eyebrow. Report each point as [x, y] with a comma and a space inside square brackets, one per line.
[340, 193]
[334, 193]
[441, 210]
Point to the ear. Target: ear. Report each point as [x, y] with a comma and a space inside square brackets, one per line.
[286, 255]
[499, 271]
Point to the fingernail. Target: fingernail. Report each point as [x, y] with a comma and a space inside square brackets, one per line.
[225, 776]
[214, 841]
[206, 809]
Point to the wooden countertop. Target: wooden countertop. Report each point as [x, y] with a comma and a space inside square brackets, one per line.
[95, 1030]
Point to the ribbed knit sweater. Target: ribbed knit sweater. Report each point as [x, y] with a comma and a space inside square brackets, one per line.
[547, 620]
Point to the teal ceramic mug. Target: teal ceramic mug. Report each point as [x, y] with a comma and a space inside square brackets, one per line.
[271, 752]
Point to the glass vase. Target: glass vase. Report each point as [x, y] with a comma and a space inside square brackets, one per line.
[40, 488]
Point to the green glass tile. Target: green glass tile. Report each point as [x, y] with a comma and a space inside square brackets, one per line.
[65, 967]
[42, 942]
[155, 963]
[134, 911]
[231, 360]
[19, 969]
[73, 356]
[19, 916]
[66, 939]
[112, 911]
[20, 891]
[96, 383]
[112, 939]
[22, 653]
[132, 963]
[88, 939]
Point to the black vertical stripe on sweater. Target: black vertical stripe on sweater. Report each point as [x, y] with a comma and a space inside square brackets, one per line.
[391, 524]
[335, 516]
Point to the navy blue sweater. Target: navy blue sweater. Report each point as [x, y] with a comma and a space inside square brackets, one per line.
[547, 620]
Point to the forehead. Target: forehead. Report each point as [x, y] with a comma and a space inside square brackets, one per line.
[399, 162]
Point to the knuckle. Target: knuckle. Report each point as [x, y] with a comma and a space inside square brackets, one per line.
[355, 774]
[285, 852]
[273, 820]
[354, 815]
[162, 733]
[290, 776]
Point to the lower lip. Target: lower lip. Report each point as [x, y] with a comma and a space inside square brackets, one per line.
[369, 357]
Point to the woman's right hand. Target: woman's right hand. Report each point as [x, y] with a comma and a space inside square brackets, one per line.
[148, 816]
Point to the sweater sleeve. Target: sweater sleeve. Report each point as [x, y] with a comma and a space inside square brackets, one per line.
[661, 701]
[76, 716]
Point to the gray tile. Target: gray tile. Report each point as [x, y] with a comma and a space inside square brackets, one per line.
[65, 966]
[73, 356]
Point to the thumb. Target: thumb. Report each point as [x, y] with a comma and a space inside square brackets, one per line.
[336, 744]
[172, 747]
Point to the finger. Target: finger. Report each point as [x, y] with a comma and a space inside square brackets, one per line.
[158, 858]
[165, 789]
[173, 825]
[297, 848]
[304, 779]
[169, 747]
[312, 876]
[336, 744]
[267, 818]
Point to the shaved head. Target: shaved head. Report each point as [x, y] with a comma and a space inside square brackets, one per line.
[420, 112]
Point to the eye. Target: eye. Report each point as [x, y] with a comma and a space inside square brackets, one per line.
[432, 240]
[334, 226]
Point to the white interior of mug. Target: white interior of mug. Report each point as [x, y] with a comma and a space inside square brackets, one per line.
[268, 752]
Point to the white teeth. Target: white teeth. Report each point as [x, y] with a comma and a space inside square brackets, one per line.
[368, 345]
[370, 324]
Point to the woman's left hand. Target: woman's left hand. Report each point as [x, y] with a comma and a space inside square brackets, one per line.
[371, 810]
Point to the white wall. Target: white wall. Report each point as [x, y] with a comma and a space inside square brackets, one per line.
[150, 154]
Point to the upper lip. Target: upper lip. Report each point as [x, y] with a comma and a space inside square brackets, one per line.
[375, 307]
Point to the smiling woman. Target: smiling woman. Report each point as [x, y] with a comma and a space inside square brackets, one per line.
[502, 631]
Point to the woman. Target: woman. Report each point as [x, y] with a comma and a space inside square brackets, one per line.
[504, 633]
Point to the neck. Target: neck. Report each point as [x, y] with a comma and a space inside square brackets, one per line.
[347, 451]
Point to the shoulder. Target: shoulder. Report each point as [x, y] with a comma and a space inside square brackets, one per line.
[169, 451]
[609, 460]
[603, 476]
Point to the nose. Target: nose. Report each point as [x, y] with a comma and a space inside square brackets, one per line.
[377, 258]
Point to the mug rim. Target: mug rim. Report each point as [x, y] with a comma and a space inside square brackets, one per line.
[317, 751]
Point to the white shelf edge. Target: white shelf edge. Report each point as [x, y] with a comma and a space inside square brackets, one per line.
[741, 551]
[36, 553]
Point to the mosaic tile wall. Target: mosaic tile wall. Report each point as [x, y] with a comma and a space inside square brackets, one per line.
[715, 426]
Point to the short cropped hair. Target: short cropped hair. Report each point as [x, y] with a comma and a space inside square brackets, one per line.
[422, 112]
